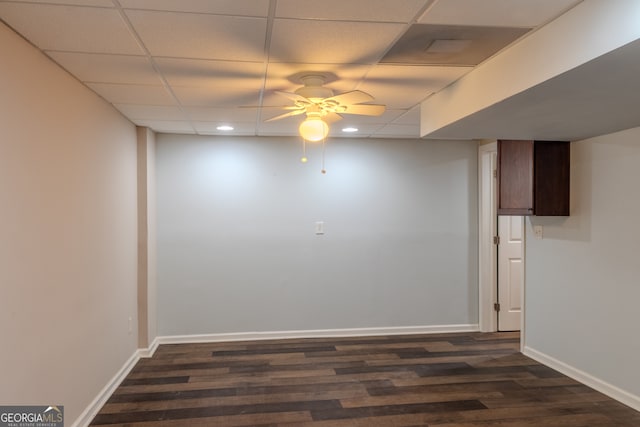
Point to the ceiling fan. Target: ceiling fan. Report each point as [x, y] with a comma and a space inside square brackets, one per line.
[321, 106]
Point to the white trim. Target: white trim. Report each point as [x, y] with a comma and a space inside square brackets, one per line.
[148, 352]
[319, 333]
[487, 254]
[94, 407]
[604, 387]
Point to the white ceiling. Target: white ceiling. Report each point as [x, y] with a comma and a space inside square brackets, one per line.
[187, 66]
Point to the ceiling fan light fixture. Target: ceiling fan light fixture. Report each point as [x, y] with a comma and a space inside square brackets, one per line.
[314, 129]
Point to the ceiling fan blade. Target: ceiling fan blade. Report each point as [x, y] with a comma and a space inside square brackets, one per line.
[293, 96]
[282, 116]
[353, 97]
[365, 109]
[280, 107]
[331, 117]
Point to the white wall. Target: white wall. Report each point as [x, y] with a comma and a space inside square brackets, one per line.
[67, 234]
[583, 277]
[237, 250]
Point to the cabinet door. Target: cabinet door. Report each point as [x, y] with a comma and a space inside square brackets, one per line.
[551, 186]
[515, 177]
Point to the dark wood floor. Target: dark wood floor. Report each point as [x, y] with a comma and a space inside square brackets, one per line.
[441, 380]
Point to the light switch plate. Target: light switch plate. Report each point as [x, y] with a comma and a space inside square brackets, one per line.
[319, 227]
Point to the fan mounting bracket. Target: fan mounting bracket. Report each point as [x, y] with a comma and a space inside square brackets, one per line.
[300, 77]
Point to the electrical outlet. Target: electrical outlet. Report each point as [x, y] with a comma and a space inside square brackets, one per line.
[537, 231]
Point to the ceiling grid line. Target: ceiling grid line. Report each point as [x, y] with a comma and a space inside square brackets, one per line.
[155, 66]
[273, 4]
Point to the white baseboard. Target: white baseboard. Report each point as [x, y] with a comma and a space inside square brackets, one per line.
[318, 333]
[604, 387]
[94, 407]
[148, 352]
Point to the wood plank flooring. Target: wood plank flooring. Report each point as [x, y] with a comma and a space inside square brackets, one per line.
[446, 380]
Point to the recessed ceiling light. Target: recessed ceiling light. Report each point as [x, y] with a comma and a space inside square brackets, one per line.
[350, 130]
[225, 127]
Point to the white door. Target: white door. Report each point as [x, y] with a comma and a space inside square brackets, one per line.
[510, 272]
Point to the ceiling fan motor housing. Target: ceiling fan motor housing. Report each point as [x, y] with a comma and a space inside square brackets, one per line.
[313, 88]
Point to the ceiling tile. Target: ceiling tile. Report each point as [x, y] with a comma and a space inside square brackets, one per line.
[240, 128]
[217, 96]
[167, 126]
[331, 42]
[508, 13]
[410, 117]
[151, 112]
[353, 119]
[70, 28]
[402, 87]
[98, 68]
[199, 72]
[286, 127]
[351, 10]
[364, 130]
[222, 7]
[398, 131]
[226, 114]
[200, 36]
[97, 3]
[133, 94]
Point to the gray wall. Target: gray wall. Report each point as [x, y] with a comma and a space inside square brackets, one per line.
[237, 250]
[583, 277]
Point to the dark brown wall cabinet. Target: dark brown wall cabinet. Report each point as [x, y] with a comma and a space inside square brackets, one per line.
[533, 178]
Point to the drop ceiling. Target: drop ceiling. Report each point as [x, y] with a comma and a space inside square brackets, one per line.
[188, 66]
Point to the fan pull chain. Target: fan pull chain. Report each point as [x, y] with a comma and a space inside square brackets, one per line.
[323, 170]
[304, 159]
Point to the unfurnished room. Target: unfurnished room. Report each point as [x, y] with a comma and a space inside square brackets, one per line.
[319, 213]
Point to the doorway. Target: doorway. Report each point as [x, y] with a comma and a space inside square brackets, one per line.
[510, 272]
[501, 263]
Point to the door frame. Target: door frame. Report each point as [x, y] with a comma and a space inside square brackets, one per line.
[487, 250]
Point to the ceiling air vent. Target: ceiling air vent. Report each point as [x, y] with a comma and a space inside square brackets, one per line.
[452, 45]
